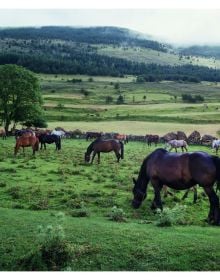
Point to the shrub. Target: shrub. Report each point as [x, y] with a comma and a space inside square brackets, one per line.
[53, 252]
[117, 214]
[169, 217]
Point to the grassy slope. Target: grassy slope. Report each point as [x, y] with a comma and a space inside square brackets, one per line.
[113, 246]
[143, 55]
[60, 181]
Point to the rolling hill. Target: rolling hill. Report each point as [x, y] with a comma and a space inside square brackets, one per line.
[108, 51]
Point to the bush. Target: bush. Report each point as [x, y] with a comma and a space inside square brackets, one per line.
[117, 214]
[169, 217]
[53, 252]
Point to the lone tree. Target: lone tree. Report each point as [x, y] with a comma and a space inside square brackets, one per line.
[20, 97]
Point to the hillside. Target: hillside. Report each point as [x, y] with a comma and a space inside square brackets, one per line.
[108, 51]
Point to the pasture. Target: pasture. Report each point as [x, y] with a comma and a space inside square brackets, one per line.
[58, 188]
[79, 102]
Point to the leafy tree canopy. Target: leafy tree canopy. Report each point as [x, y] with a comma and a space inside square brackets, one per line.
[20, 97]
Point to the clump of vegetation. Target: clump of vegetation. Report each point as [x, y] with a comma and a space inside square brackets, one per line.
[82, 211]
[169, 217]
[53, 251]
[117, 214]
[192, 99]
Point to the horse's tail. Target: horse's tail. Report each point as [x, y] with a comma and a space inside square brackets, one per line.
[59, 143]
[122, 149]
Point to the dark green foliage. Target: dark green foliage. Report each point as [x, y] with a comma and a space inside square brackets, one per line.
[192, 99]
[120, 99]
[20, 97]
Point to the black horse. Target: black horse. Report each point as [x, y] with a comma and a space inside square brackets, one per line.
[49, 139]
[93, 135]
[178, 171]
[104, 146]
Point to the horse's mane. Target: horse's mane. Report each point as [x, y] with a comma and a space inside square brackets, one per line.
[90, 147]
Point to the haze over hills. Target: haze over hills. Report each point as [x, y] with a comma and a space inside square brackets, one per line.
[106, 51]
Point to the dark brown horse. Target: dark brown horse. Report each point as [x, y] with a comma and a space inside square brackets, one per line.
[104, 146]
[93, 135]
[27, 141]
[179, 171]
[152, 139]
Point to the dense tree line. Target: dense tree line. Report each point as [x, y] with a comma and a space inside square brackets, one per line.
[93, 64]
[207, 51]
[91, 35]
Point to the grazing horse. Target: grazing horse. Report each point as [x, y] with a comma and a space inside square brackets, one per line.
[24, 132]
[92, 135]
[178, 171]
[26, 141]
[216, 145]
[176, 144]
[49, 139]
[152, 139]
[121, 137]
[104, 146]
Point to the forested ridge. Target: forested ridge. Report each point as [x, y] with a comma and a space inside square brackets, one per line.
[67, 50]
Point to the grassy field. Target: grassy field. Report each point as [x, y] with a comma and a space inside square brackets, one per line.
[58, 191]
[58, 213]
[80, 102]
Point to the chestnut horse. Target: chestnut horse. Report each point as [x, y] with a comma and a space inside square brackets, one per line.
[104, 146]
[179, 171]
[121, 137]
[27, 141]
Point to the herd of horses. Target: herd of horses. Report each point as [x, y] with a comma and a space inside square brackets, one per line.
[162, 168]
[29, 138]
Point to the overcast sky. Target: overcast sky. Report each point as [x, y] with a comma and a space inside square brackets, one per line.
[180, 26]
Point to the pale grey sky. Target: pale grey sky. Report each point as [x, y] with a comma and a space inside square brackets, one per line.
[180, 26]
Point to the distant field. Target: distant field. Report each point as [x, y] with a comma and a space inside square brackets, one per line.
[77, 101]
[137, 128]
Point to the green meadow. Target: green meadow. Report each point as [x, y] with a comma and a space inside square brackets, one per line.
[58, 213]
[91, 204]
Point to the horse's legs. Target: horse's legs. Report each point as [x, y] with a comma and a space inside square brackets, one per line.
[117, 154]
[195, 196]
[214, 212]
[185, 194]
[98, 157]
[157, 203]
[93, 155]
